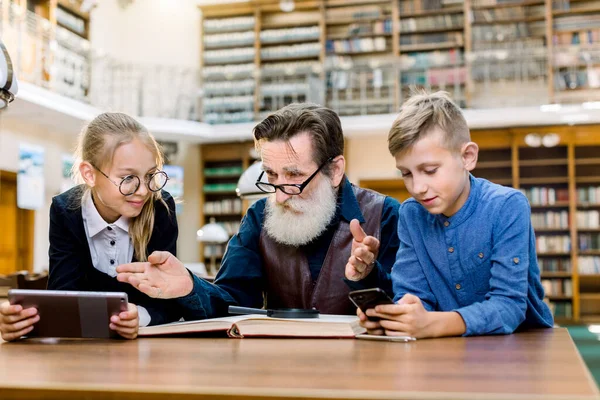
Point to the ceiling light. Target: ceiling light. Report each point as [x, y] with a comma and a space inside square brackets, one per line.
[287, 5]
[533, 140]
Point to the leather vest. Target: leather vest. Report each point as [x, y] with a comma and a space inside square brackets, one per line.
[289, 283]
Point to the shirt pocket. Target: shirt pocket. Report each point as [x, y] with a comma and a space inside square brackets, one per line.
[477, 267]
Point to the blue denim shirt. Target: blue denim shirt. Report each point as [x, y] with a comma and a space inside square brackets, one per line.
[241, 281]
[480, 262]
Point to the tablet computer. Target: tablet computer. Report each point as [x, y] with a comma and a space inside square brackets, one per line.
[71, 314]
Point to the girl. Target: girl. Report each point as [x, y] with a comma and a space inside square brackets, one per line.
[117, 214]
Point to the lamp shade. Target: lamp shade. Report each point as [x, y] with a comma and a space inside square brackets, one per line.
[246, 186]
[212, 233]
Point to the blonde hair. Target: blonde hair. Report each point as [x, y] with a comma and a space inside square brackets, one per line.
[97, 144]
[423, 112]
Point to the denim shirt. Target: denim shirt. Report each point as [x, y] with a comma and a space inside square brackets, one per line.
[241, 279]
[480, 262]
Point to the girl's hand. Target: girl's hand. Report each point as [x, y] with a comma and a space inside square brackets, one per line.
[16, 321]
[126, 323]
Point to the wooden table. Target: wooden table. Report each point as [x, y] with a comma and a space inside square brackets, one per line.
[533, 365]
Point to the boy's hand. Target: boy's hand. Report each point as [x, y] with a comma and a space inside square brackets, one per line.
[373, 327]
[163, 276]
[364, 253]
[16, 321]
[406, 318]
[126, 323]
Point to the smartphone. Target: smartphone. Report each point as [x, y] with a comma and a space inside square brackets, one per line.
[369, 298]
[71, 314]
[386, 338]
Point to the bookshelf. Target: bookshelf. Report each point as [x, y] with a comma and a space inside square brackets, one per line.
[221, 167]
[562, 184]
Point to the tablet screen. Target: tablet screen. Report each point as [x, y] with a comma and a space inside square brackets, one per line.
[71, 314]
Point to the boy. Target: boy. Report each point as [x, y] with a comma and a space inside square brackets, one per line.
[467, 262]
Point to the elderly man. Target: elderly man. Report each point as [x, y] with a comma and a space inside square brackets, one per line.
[305, 246]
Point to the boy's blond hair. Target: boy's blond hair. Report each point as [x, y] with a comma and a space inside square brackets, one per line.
[423, 112]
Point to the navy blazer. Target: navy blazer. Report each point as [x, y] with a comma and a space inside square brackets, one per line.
[71, 265]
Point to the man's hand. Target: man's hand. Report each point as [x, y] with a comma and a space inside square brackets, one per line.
[163, 276]
[126, 323]
[364, 253]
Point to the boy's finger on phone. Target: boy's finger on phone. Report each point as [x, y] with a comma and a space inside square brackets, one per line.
[392, 309]
[377, 332]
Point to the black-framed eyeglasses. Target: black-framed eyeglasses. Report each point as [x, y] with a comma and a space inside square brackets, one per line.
[288, 188]
[131, 183]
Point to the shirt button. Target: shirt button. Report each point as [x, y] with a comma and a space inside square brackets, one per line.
[112, 262]
[109, 228]
[451, 249]
[446, 223]
[480, 255]
[112, 242]
[516, 260]
[457, 286]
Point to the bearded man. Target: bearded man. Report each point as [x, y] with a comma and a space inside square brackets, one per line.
[306, 245]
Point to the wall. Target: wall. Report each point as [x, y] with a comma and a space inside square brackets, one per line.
[164, 32]
[367, 157]
[55, 144]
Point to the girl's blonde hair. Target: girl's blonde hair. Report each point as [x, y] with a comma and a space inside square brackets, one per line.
[97, 144]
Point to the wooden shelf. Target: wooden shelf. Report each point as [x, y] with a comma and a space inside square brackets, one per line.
[544, 180]
[509, 21]
[216, 215]
[557, 254]
[229, 46]
[589, 276]
[556, 275]
[588, 205]
[348, 21]
[407, 48]
[550, 230]
[506, 5]
[350, 3]
[590, 296]
[219, 192]
[589, 252]
[289, 59]
[356, 53]
[359, 35]
[543, 163]
[582, 10]
[587, 161]
[590, 319]
[441, 11]
[558, 204]
[588, 230]
[432, 30]
[559, 298]
[493, 164]
[222, 176]
[587, 179]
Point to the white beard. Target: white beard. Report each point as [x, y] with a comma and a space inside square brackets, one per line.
[298, 221]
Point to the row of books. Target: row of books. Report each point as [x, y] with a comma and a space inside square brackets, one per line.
[573, 79]
[588, 219]
[541, 195]
[228, 71]
[417, 6]
[495, 15]
[228, 117]
[228, 24]
[561, 309]
[435, 77]
[228, 102]
[431, 38]
[447, 21]
[355, 13]
[589, 241]
[217, 172]
[588, 265]
[290, 34]
[568, 5]
[224, 56]
[281, 89]
[357, 45]
[69, 20]
[554, 264]
[357, 29]
[229, 87]
[489, 3]
[589, 194]
[553, 244]
[219, 187]
[557, 287]
[226, 206]
[432, 59]
[577, 22]
[550, 219]
[589, 36]
[296, 50]
[229, 39]
[501, 32]
[529, 46]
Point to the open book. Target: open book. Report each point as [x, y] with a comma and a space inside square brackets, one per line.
[254, 325]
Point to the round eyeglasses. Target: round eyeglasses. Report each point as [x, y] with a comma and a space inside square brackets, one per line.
[131, 183]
